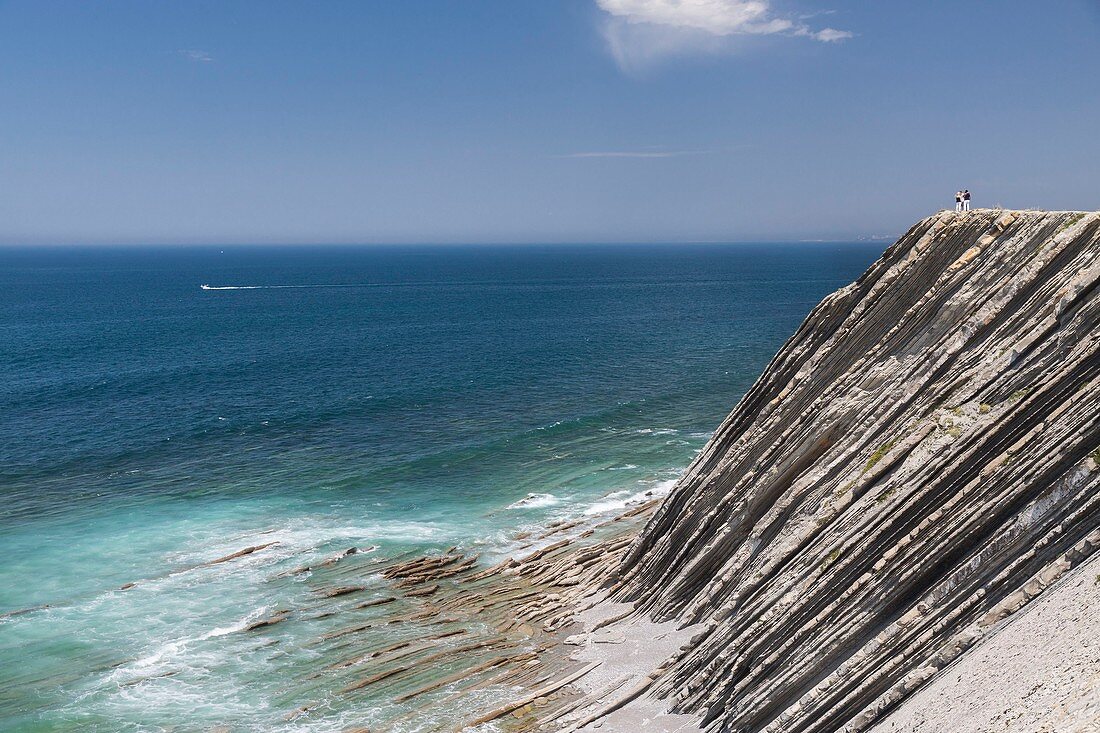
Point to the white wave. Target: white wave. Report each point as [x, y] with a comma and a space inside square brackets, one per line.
[172, 649]
[304, 539]
[627, 467]
[616, 501]
[534, 501]
[619, 500]
[611, 505]
[663, 487]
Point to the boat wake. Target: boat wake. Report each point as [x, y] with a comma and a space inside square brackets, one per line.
[273, 287]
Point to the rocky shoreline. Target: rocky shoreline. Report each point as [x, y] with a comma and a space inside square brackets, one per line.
[506, 628]
[917, 465]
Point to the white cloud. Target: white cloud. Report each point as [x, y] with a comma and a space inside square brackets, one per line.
[831, 35]
[719, 17]
[195, 55]
[640, 31]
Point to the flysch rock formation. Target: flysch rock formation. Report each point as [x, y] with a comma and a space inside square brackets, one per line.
[906, 499]
[886, 509]
[917, 463]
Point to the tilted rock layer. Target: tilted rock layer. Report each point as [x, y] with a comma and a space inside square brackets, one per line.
[917, 463]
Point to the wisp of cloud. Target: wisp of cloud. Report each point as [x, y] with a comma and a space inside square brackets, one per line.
[639, 32]
[196, 55]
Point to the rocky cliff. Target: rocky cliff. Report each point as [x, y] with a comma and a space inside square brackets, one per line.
[857, 548]
[917, 463]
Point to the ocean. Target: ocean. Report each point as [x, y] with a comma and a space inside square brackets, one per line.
[312, 399]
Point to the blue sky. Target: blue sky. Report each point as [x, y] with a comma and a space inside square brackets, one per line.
[514, 120]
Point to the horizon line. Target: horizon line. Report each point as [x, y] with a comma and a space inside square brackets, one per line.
[856, 239]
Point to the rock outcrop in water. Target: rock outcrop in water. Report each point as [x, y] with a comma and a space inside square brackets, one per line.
[918, 462]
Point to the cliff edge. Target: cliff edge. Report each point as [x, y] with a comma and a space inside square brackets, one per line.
[916, 464]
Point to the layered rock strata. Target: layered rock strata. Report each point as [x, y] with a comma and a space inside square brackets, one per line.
[919, 461]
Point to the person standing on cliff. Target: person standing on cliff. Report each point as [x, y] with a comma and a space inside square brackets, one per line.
[958, 201]
[966, 199]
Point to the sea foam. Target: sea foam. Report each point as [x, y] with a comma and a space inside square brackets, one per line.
[535, 501]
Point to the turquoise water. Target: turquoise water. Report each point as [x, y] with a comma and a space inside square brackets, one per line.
[405, 398]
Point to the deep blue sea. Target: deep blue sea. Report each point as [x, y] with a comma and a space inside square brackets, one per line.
[408, 398]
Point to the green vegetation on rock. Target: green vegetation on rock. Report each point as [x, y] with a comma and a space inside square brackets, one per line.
[1071, 221]
[881, 451]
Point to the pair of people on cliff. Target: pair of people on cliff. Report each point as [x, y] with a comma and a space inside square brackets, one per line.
[962, 200]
